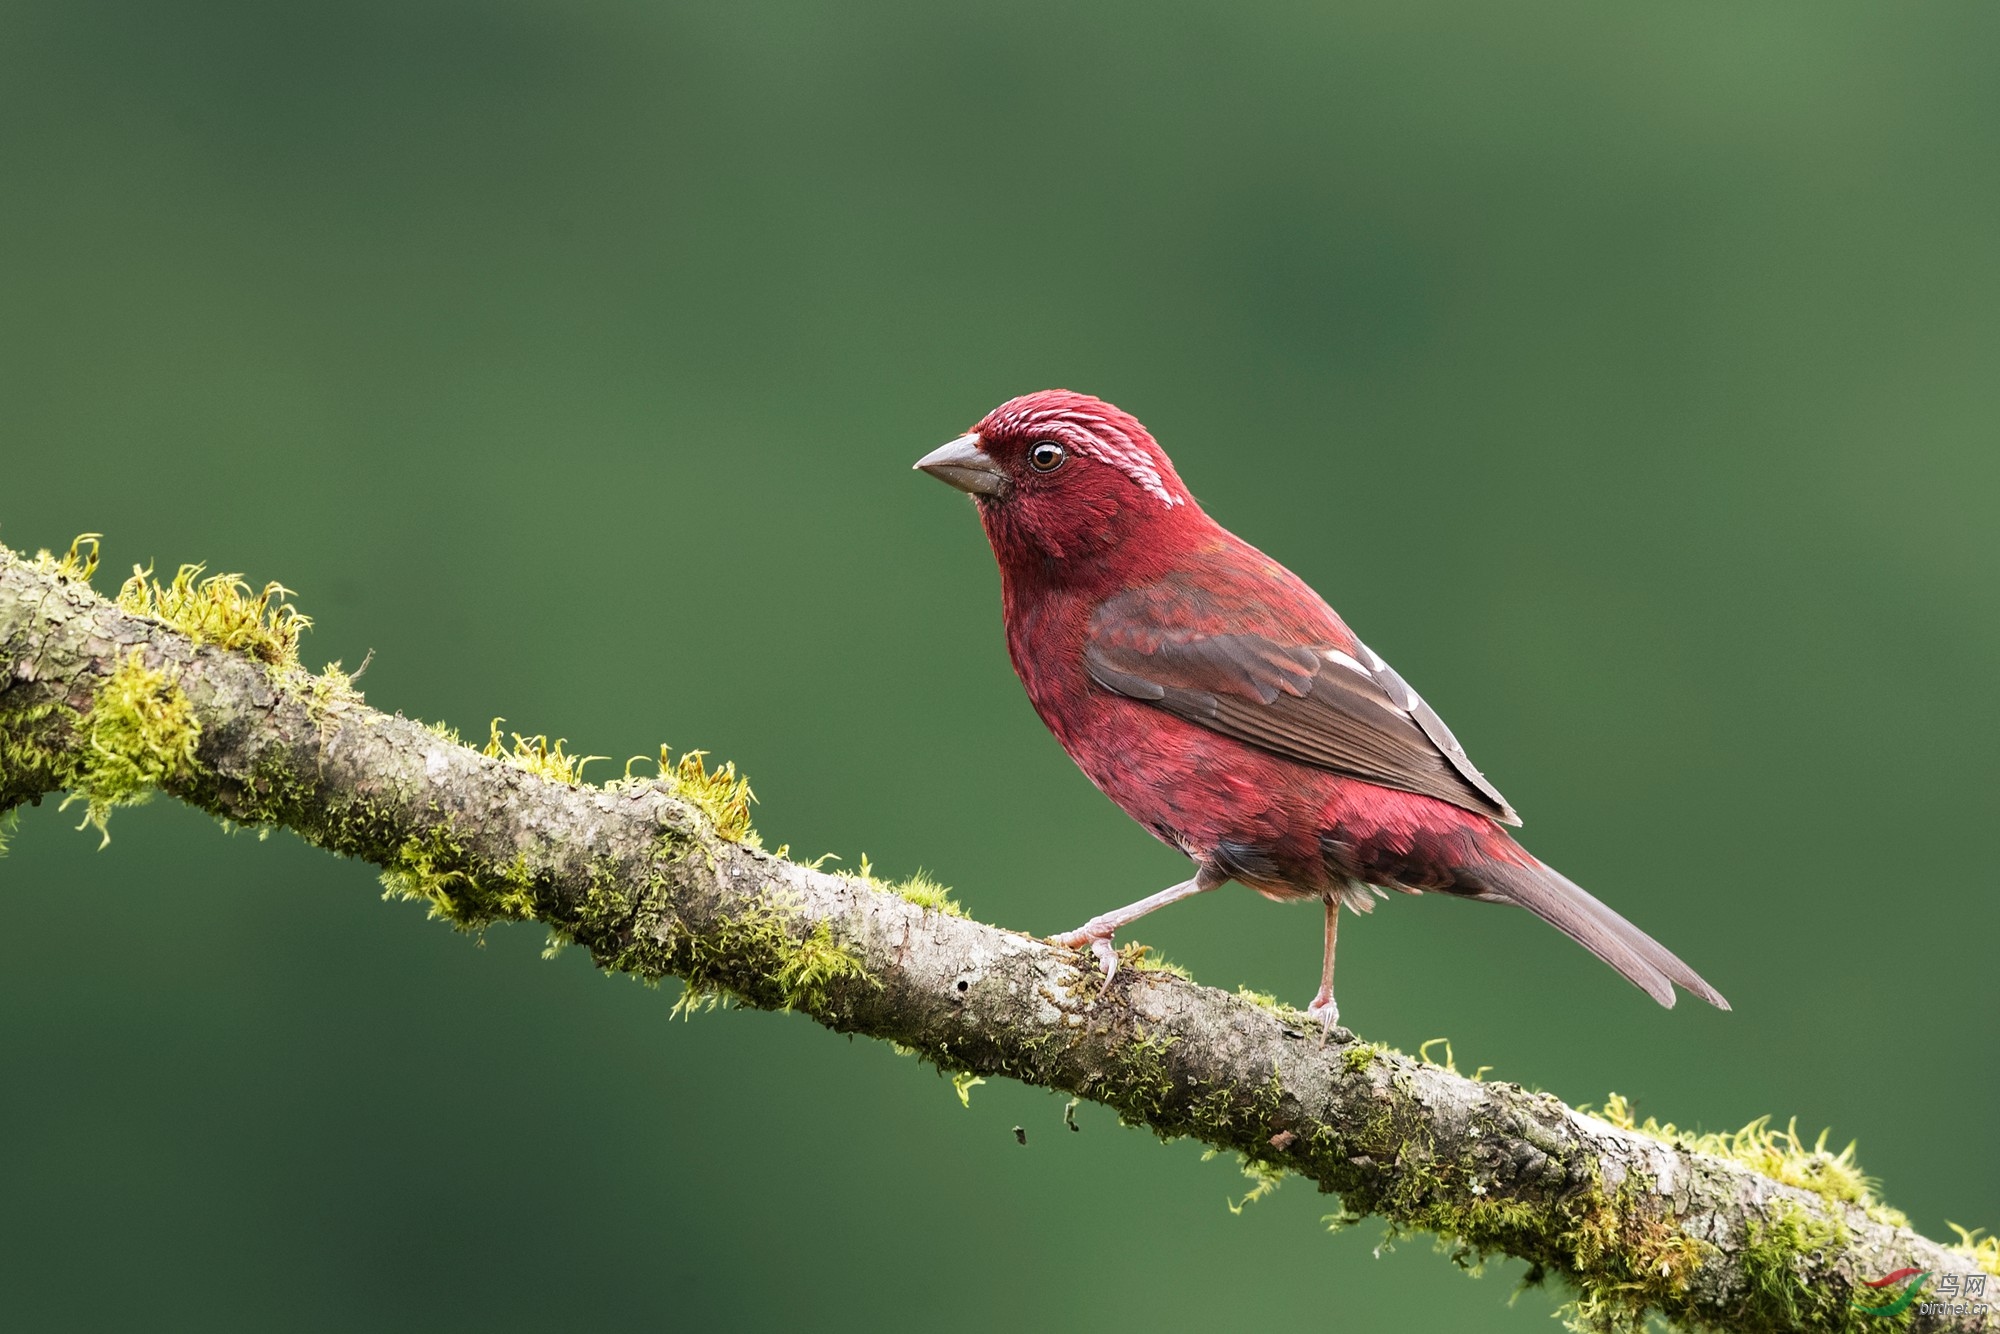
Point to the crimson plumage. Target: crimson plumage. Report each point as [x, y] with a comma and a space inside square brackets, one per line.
[1221, 703]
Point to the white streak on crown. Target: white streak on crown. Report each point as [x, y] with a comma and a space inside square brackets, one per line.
[1099, 439]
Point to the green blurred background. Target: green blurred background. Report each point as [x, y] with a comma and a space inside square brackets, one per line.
[1626, 377]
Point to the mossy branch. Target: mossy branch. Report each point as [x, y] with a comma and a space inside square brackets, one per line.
[194, 688]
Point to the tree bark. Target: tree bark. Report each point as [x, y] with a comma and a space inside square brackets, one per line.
[95, 699]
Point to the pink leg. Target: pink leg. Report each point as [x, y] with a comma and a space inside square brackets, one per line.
[1322, 1007]
[1097, 932]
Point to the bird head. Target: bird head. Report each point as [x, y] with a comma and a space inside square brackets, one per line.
[1059, 475]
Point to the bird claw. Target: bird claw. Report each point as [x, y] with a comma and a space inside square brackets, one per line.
[1099, 942]
[1328, 1014]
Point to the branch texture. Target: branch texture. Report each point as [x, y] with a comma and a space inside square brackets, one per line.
[193, 688]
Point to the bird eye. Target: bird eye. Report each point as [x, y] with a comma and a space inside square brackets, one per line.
[1046, 456]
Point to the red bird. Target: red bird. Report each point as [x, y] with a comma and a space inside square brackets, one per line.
[1224, 706]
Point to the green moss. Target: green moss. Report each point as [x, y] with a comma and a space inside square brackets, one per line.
[1625, 1262]
[328, 692]
[629, 929]
[1263, 1178]
[920, 889]
[1247, 1119]
[536, 756]
[279, 791]
[1429, 1194]
[75, 565]
[1982, 1251]
[1450, 1062]
[962, 1083]
[1360, 1056]
[720, 794]
[1775, 1249]
[1140, 958]
[755, 955]
[1141, 1087]
[717, 793]
[1778, 1154]
[1290, 1014]
[928, 894]
[1622, 1258]
[33, 757]
[222, 610]
[1263, 1000]
[806, 969]
[437, 869]
[140, 732]
[1628, 1261]
[1473, 1231]
[1235, 1114]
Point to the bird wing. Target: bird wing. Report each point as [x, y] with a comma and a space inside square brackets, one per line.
[1283, 674]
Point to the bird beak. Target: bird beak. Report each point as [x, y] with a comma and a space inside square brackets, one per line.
[963, 464]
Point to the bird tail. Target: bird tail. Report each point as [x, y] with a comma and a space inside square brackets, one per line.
[1564, 905]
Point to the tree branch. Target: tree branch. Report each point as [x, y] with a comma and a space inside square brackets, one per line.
[194, 688]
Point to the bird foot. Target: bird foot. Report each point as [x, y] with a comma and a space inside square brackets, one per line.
[1328, 1014]
[1099, 941]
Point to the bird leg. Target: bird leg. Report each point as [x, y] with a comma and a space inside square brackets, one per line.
[1097, 932]
[1322, 1007]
